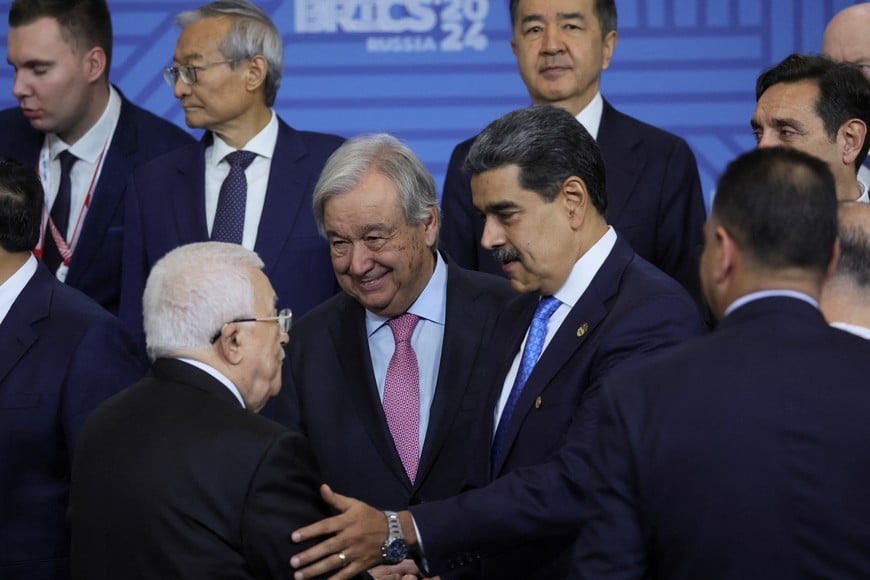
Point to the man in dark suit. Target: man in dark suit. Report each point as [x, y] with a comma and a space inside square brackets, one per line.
[376, 204]
[590, 305]
[654, 198]
[61, 51]
[227, 86]
[742, 454]
[178, 476]
[845, 299]
[60, 356]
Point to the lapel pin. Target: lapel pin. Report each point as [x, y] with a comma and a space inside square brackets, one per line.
[582, 329]
[538, 402]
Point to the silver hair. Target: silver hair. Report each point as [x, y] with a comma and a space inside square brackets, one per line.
[192, 291]
[252, 32]
[357, 157]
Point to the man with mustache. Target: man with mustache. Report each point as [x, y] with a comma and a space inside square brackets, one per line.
[590, 304]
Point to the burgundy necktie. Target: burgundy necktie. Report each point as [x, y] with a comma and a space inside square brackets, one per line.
[402, 394]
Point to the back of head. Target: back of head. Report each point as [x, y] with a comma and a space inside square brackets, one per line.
[385, 154]
[192, 291]
[83, 23]
[548, 145]
[844, 92]
[854, 230]
[252, 33]
[605, 11]
[21, 198]
[846, 37]
[780, 206]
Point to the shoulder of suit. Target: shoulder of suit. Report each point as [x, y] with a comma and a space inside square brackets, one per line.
[619, 121]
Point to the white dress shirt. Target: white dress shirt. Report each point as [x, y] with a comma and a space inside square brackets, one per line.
[14, 285]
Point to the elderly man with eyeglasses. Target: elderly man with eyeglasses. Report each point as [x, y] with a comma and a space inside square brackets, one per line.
[248, 181]
[178, 476]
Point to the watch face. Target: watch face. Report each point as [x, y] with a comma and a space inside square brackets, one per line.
[394, 551]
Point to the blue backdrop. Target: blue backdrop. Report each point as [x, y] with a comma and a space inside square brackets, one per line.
[434, 72]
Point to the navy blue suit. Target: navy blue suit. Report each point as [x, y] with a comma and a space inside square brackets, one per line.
[654, 199]
[524, 523]
[61, 355]
[140, 136]
[166, 209]
[174, 479]
[331, 385]
[742, 455]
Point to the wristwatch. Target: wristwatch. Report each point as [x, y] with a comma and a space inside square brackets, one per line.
[395, 549]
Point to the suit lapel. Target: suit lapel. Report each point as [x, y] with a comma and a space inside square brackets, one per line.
[622, 165]
[284, 195]
[348, 333]
[188, 193]
[16, 333]
[576, 330]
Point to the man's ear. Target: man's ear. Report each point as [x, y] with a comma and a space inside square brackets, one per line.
[576, 199]
[95, 64]
[727, 254]
[853, 133]
[229, 344]
[256, 73]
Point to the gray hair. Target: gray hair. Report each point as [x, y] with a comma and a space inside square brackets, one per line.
[356, 158]
[854, 234]
[192, 291]
[252, 32]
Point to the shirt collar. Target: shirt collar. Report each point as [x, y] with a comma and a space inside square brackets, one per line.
[14, 285]
[585, 268]
[96, 140]
[430, 305]
[216, 374]
[590, 116]
[752, 296]
[263, 143]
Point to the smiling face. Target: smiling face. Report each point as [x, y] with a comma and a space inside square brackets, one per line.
[560, 51]
[52, 81]
[378, 258]
[532, 238]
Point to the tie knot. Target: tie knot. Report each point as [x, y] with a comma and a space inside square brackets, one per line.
[240, 158]
[403, 326]
[546, 307]
[67, 160]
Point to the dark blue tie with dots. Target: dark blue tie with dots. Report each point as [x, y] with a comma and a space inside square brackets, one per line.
[229, 219]
[532, 351]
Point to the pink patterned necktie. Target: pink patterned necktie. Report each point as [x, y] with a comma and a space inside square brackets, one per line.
[402, 393]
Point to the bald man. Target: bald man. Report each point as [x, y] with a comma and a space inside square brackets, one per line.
[847, 38]
[846, 295]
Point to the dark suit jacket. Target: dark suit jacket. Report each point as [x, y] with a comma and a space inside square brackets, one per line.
[742, 455]
[140, 136]
[525, 521]
[61, 355]
[654, 199]
[166, 209]
[174, 479]
[331, 386]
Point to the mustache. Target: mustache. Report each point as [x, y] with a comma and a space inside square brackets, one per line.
[503, 255]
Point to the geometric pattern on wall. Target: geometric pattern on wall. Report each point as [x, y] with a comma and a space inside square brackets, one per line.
[434, 72]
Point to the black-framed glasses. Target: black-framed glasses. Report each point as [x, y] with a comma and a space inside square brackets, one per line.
[284, 320]
[188, 73]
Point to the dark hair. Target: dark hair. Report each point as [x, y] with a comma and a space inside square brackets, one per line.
[21, 199]
[84, 24]
[844, 91]
[548, 145]
[854, 262]
[605, 11]
[780, 206]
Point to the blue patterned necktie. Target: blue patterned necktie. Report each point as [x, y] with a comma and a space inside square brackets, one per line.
[229, 218]
[532, 351]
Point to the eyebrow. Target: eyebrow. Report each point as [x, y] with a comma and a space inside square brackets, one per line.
[499, 206]
[187, 57]
[32, 63]
[560, 16]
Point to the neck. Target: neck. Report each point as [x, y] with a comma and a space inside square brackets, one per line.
[96, 106]
[849, 189]
[238, 132]
[11, 262]
[843, 301]
[794, 279]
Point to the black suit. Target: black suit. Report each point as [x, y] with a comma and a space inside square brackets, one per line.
[742, 455]
[330, 373]
[174, 479]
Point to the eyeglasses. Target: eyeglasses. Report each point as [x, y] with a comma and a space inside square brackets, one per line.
[284, 319]
[188, 73]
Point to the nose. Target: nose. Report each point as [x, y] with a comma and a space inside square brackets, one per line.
[552, 41]
[285, 338]
[20, 88]
[360, 259]
[765, 139]
[492, 236]
[180, 89]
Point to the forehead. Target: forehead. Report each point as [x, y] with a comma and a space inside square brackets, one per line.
[500, 188]
[37, 39]
[201, 38]
[789, 100]
[549, 8]
[264, 294]
[375, 199]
